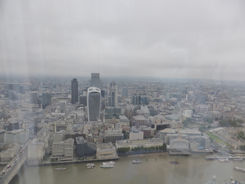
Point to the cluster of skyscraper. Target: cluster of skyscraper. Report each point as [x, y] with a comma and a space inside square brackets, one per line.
[92, 97]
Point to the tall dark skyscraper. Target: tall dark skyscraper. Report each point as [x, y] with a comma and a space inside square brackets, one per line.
[74, 91]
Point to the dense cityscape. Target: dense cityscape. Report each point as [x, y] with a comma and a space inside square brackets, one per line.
[122, 92]
[52, 121]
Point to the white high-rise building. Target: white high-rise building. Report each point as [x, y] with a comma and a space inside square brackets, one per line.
[93, 103]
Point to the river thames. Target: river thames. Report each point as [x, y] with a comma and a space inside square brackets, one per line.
[154, 169]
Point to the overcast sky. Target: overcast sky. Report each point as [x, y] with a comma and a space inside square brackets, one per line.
[158, 38]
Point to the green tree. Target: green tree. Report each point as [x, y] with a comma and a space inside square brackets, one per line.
[241, 135]
[123, 150]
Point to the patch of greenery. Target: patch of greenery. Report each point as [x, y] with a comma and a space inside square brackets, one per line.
[241, 135]
[215, 138]
[242, 147]
[123, 150]
[230, 123]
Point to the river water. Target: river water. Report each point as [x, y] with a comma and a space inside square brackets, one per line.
[155, 169]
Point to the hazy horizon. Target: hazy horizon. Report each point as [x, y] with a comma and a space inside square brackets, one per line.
[160, 39]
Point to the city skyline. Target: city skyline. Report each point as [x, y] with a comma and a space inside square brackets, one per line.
[41, 126]
[125, 91]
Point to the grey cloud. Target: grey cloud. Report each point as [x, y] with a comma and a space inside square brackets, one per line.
[170, 38]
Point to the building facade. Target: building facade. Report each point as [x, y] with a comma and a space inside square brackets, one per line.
[112, 98]
[74, 91]
[93, 103]
[95, 80]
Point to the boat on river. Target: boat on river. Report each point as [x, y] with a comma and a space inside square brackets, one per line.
[90, 165]
[136, 161]
[174, 162]
[223, 159]
[107, 164]
[239, 169]
[60, 168]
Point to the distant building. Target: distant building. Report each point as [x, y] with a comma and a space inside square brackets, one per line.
[136, 100]
[179, 146]
[148, 132]
[63, 150]
[160, 126]
[112, 112]
[197, 141]
[144, 143]
[83, 100]
[35, 98]
[113, 95]
[136, 135]
[84, 148]
[106, 151]
[2, 138]
[45, 100]
[19, 136]
[12, 126]
[167, 132]
[103, 93]
[125, 92]
[112, 136]
[74, 91]
[123, 123]
[139, 120]
[36, 151]
[58, 136]
[93, 103]
[140, 100]
[95, 80]
[187, 114]
[60, 126]
[8, 154]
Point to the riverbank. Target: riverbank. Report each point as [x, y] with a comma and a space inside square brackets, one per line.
[78, 161]
[48, 163]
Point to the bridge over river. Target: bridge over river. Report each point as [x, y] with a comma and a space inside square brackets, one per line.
[13, 167]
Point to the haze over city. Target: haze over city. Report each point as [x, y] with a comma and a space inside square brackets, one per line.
[122, 91]
[173, 39]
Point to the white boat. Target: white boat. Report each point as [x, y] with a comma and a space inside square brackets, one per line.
[237, 158]
[107, 164]
[60, 168]
[136, 161]
[90, 165]
[239, 169]
[224, 159]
